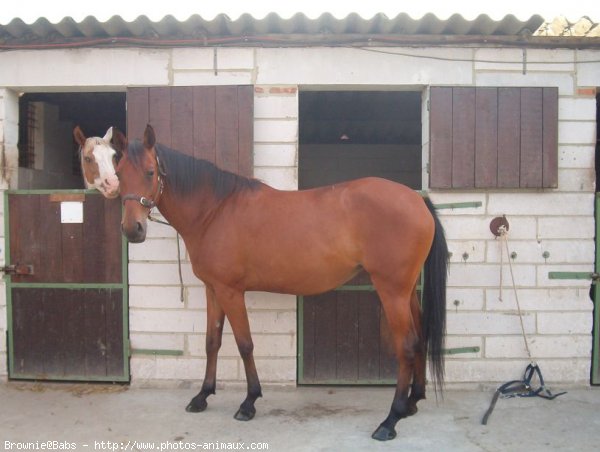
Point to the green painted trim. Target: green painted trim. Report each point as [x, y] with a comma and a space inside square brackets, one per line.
[458, 205]
[51, 192]
[73, 286]
[457, 350]
[356, 288]
[108, 378]
[156, 352]
[300, 342]
[7, 279]
[595, 371]
[385, 382]
[569, 275]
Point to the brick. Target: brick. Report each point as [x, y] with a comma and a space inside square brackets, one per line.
[283, 90]
[276, 155]
[488, 323]
[577, 179]
[467, 299]
[576, 132]
[564, 323]
[588, 74]
[476, 227]
[156, 230]
[201, 78]
[161, 274]
[581, 227]
[3, 368]
[564, 81]
[155, 250]
[483, 370]
[539, 346]
[512, 60]
[466, 274]
[275, 107]
[467, 251]
[550, 204]
[85, 68]
[576, 109]
[167, 321]
[272, 322]
[166, 341]
[280, 178]
[226, 59]
[343, 66]
[539, 299]
[279, 370]
[576, 156]
[195, 297]
[196, 345]
[276, 131]
[3, 320]
[560, 251]
[187, 368]
[155, 297]
[591, 92]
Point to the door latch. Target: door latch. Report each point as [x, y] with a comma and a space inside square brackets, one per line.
[17, 269]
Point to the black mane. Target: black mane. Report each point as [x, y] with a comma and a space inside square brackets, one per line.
[186, 174]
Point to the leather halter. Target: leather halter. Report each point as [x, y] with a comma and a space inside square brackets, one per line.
[148, 203]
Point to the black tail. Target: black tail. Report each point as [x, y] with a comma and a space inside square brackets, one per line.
[434, 300]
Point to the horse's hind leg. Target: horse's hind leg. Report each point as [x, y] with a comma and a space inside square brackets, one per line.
[214, 333]
[396, 304]
[417, 391]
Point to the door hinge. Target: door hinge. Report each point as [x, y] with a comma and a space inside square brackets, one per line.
[17, 269]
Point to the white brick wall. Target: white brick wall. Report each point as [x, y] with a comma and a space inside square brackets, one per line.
[557, 313]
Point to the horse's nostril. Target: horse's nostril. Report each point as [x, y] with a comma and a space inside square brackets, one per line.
[140, 228]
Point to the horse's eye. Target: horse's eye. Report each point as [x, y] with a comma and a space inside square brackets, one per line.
[150, 173]
[87, 159]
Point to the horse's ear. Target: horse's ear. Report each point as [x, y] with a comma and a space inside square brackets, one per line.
[149, 137]
[108, 135]
[119, 140]
[79, 136]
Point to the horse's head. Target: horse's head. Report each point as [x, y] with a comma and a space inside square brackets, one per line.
[98, 160]
[140, 181]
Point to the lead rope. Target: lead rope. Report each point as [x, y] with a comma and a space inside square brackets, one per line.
[181, 287]
[518, 388]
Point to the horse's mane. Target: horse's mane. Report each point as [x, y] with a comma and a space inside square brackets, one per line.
[186, 174]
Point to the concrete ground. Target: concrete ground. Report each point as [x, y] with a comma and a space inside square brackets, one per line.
[104, 417]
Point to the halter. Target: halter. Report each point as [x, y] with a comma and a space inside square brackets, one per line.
[149, 203]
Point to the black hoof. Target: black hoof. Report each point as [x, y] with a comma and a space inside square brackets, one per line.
[196, 406]
[383, 434]
[244, 415]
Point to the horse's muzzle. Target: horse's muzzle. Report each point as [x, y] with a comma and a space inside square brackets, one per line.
[135, 233]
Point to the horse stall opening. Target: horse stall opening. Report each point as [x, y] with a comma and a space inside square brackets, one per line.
[343, 334]
[67, 286]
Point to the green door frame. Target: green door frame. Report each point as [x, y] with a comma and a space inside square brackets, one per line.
[123, 286]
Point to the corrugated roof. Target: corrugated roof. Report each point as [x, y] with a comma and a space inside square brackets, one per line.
[222, 30]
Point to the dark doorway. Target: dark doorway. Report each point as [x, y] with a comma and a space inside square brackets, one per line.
[48, 155]
[343, 334]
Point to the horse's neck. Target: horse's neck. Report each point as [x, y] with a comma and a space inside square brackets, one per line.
[187, 214]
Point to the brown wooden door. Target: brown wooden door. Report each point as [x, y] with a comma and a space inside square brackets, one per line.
[214, 123]
[68, 319]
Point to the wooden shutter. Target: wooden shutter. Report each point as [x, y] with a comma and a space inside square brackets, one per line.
[210, 122]
[493, 137]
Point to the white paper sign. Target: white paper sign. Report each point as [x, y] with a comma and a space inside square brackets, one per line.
[71, 212]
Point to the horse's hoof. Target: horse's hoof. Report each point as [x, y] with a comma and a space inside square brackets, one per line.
[196, 407]
[383, 434]
[244, 415]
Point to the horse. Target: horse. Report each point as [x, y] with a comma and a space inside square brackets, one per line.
[98, 160]
[243, 235]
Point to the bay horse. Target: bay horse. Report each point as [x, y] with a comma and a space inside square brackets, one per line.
[98, 160]
[242, 235]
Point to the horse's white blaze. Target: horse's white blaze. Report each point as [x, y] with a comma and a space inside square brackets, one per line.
[107, 181]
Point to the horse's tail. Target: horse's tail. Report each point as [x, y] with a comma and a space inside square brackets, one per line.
[434, 300]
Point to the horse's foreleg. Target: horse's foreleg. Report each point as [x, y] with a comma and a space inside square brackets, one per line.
[235, 309]
[398, 313]
[214, 332]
